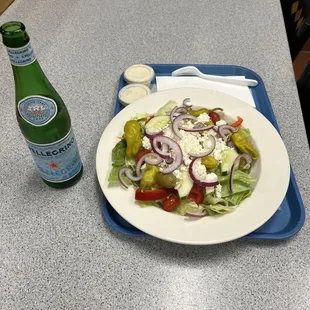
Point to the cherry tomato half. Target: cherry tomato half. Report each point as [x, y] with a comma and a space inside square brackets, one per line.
[171, 203]
[214, 117]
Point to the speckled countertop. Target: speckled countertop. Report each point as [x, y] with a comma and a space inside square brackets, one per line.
[56, 252]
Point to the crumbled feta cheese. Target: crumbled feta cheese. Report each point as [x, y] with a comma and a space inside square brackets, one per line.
[183, 133]
[209, 190]
[219, 148]
[162, 164]
[168, 133]
[183, 168]
[210, 132]
[201, 170]
[204, 117]
[211, 177]
[218, 191]
[207, 142]
[187, 162]
[143, 167]
[146, 143]
[187, 124]
[178, 174]
[220, 123]
[190, 143]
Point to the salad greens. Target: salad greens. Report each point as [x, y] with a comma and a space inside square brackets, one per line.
[208, 160]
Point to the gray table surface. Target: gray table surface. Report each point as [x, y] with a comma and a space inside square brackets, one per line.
[56, 251]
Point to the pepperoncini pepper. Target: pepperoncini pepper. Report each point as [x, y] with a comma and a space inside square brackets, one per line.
[209, 162]
[198, 112]
[132, 135]
[242, 145]
[149, 178]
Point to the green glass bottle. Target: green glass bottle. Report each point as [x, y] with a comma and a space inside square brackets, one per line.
[41, 113]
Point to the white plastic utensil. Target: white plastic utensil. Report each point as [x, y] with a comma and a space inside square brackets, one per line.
[191, 70]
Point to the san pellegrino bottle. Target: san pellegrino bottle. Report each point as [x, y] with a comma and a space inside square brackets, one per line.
[41, 113]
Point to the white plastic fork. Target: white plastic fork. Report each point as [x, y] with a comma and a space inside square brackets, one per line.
[193, 71]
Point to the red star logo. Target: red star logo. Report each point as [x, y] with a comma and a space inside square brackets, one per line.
[53, 165]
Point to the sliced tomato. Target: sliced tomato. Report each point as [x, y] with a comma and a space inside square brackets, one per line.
[238, 122]
[196, 194]
[157, 194]
[142, 153]
[171, 202]
[214, 117]
[149, 119]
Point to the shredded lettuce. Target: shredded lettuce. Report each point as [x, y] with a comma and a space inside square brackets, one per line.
[237, 198]
[219, 209]
[119, 153]
[113, 176]
[119, 160]
[240, 176]
[141, 116]
[145, 204]
[245, 132]
[183, 206]
[211, 200]
[242, 187]
[131, 163]
[168, 107]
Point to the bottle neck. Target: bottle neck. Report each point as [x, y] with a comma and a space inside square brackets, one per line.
[28, 75]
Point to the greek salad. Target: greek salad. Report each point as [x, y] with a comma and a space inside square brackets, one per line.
[187, 160]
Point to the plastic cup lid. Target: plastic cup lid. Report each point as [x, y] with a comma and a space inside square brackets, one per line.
[132, 92]
[139, 73]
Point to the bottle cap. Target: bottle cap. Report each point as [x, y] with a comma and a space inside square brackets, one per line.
[132, 92]
[139, 73]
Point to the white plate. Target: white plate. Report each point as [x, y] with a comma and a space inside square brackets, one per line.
[272, 168]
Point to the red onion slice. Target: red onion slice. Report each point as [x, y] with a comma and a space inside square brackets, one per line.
[172, 113]
[160, 148]
[120, 177]
[145, 158]
[197, 129]
[208, 151]
[169, 160]
[181, 110]
[128, 172]
[152, 135]
[197, 214]
[186, 103]
[198, 211]
[153, 161]
[248, 159]
[196, 178]
[177, 120]
[225, 130]
[175, 148]
[199, 125]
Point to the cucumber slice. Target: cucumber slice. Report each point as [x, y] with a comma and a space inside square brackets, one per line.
[168, 107]
[228, 158]
[187, 184]
[157, 123]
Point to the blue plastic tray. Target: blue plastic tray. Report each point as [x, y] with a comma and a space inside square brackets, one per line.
[290, 216]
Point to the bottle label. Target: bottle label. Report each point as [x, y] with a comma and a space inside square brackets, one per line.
[58, 161]
[37, 110]
[21, 56]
